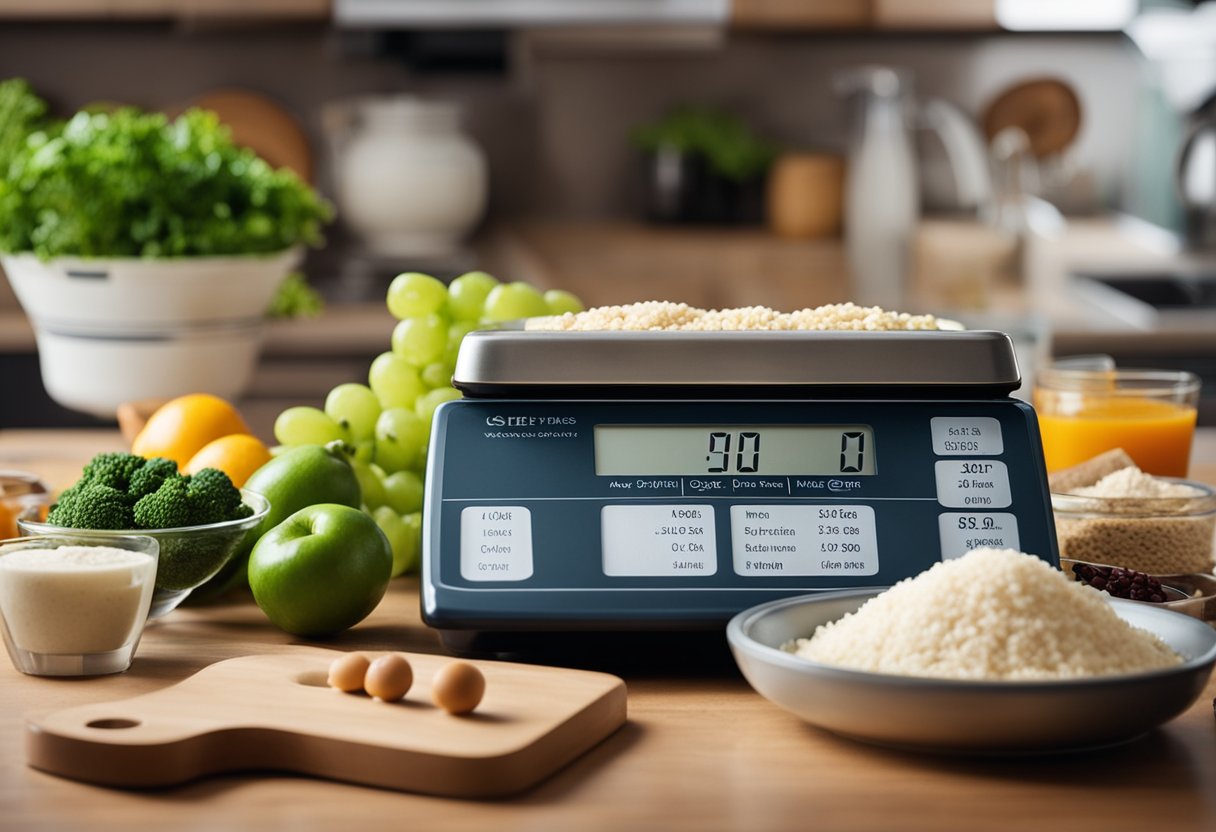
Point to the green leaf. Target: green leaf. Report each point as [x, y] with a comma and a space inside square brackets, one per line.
[732, 150]
[135, 184]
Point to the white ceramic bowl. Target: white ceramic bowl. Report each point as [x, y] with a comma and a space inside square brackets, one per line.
[115, 330]
[964, 716]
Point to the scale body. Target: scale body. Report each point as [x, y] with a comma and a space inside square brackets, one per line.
[665, 481]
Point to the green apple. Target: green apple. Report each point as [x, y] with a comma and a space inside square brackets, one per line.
[299, 476]
[320, 571]
[303, 476]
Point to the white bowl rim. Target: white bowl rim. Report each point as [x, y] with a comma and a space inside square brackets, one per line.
[739, 639]
[283, 253]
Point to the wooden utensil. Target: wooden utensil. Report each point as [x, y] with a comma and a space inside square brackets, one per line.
[132, 416]
[1047, 110]
[261, 124]
[275, 712]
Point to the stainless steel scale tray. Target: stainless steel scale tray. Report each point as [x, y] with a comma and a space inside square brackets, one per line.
[789, 364]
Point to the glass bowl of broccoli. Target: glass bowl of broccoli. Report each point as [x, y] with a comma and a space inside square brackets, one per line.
[200, 521]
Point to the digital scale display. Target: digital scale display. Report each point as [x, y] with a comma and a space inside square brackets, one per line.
[686, 450]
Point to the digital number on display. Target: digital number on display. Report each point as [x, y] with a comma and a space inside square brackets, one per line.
[733, 449]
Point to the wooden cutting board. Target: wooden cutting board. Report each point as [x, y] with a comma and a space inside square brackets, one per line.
[275, 712]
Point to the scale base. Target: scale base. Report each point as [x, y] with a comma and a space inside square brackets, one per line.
[632, 651]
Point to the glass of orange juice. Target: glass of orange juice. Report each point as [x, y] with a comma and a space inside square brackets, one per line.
[1088, 406]
[19, 492]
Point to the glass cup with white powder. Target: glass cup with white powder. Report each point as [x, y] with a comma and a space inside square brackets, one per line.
[71, 607]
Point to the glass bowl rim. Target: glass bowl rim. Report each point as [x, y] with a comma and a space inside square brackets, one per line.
[259, 503]
[77, 534]
[1183, 507]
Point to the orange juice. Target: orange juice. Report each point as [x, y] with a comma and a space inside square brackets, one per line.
[1156, 434]
[20, 492]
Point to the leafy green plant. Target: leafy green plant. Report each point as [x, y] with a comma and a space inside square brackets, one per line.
[136, 184]
[295, 299]
[20, 114]
[730, 147]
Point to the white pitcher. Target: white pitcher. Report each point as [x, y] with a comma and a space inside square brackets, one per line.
[882, 193]
[408, 181]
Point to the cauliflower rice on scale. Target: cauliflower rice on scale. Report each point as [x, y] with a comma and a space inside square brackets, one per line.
[993, 614]
[656, 316]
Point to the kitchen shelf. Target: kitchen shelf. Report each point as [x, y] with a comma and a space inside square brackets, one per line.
[799, 14]
[189, 10]
[865, 15]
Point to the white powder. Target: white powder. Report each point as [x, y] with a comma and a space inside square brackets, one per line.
[993, 614]
[75, 599]
[1134, 483]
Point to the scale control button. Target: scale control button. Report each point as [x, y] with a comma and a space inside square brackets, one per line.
[962, 532]
[973, 483]
[803, 540]
[495, 543]
[658, 541]
[962, 436]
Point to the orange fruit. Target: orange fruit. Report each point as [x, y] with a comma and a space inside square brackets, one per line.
[182, 426]
[238, 455]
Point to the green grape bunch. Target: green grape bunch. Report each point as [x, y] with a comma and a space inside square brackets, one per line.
[386, 423]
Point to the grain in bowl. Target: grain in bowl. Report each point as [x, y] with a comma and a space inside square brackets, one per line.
[991, 615]
[1133, 520]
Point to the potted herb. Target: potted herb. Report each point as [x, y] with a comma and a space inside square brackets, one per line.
[144, 250]
[703, 165]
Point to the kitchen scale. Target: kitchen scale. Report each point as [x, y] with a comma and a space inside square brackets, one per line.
[667, 480]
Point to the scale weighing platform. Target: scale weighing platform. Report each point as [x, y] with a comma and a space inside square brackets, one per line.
[668, 480]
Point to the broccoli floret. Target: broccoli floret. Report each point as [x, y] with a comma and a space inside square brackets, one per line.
[149, 477]
[113, 469]
[213, 498]
[61, 513]
[167, 507]
[94, 506]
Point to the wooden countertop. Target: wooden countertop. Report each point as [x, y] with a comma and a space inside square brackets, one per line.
[701, 751]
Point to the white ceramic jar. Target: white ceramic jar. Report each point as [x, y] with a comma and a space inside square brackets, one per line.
[409, 182]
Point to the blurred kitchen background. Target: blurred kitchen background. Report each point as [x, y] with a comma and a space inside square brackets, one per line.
[1043, 167]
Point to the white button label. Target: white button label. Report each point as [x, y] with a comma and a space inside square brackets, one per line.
[973, 483]
[960, 533]
[803, 540]
[959, 436]
[495, 543]
[658, 541]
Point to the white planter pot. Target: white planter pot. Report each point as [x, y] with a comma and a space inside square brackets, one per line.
[115, 330]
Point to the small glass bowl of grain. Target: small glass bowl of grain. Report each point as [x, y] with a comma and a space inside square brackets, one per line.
[189, 555]
[1160, 535]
